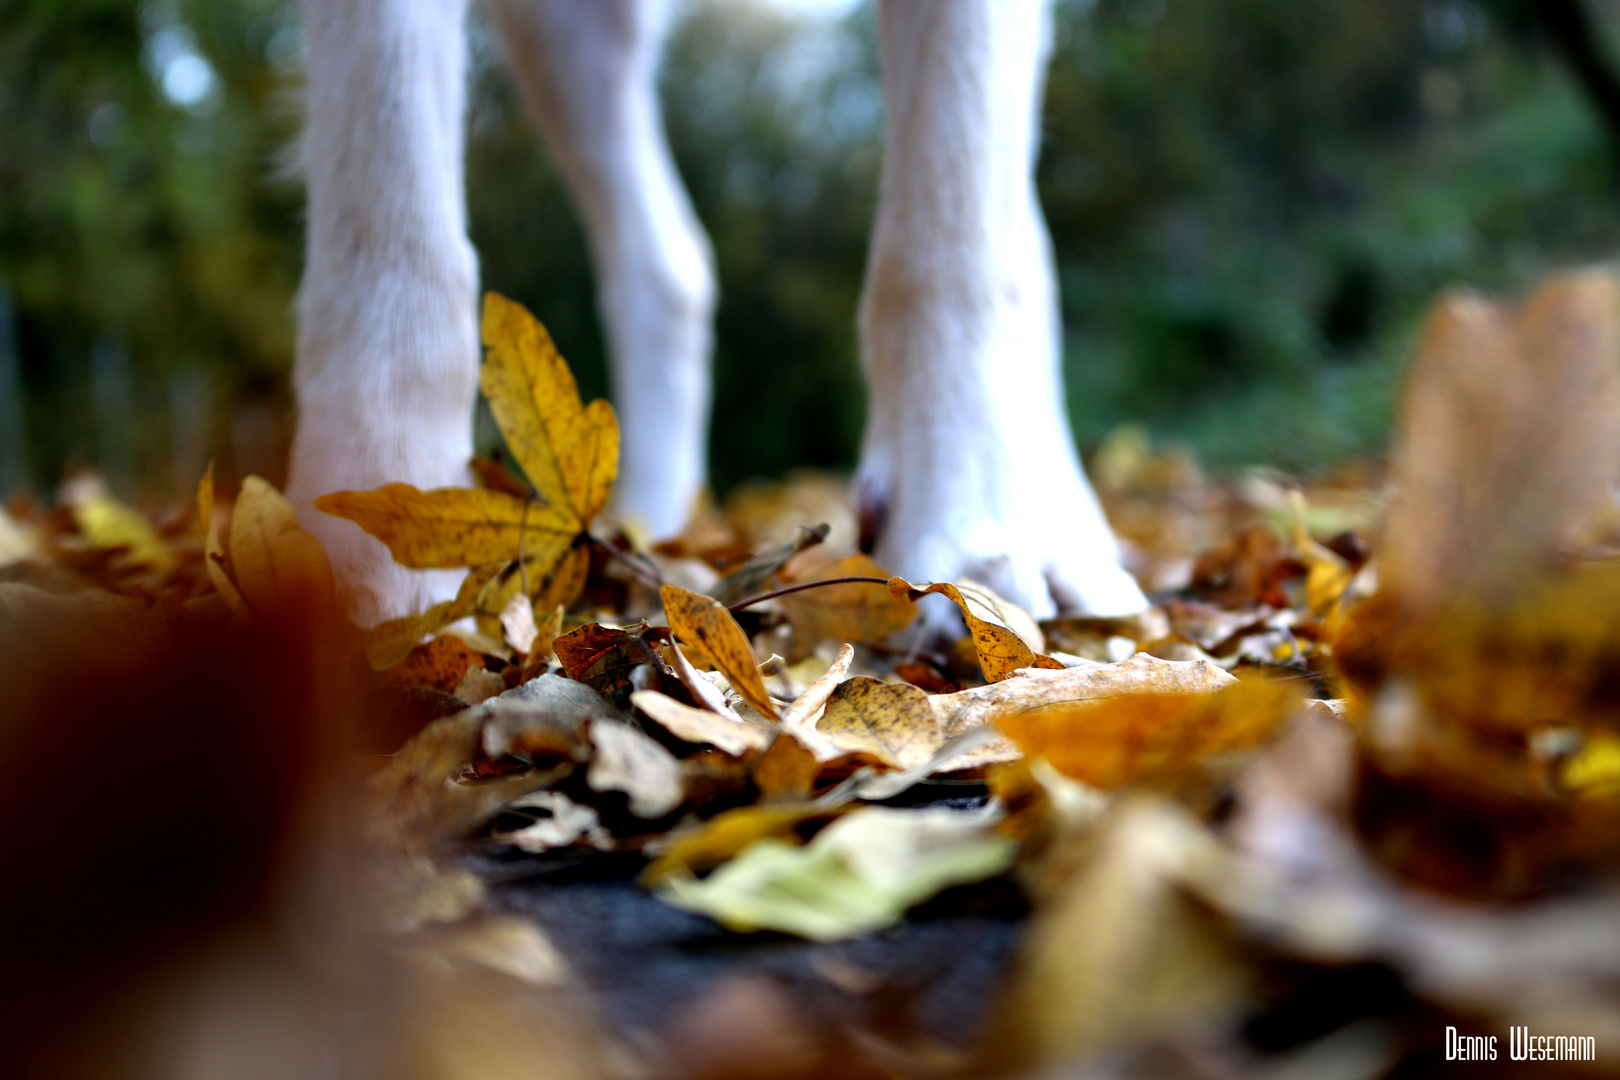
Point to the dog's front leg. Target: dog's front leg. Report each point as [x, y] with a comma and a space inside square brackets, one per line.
[387, 335]
[588, 70]
[968, 466]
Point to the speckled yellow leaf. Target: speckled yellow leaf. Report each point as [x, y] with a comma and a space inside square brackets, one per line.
[703, 621]
[892, 721]
[450, 527]
[570, 451]
[1005, 636]
[214, 547]
[273, 561]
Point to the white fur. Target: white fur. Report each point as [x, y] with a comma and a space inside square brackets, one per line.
[967, 454]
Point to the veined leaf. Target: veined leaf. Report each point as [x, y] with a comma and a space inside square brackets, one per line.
[450, 527]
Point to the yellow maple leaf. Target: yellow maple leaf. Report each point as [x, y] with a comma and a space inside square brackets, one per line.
[570, 452]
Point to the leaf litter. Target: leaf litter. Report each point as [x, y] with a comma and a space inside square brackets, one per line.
[1369, 725]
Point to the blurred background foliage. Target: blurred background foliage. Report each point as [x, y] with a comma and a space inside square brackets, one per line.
[1251, 202]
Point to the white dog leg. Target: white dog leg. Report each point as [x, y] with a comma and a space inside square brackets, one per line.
[968, 467]
[387, 334]
[588, 74]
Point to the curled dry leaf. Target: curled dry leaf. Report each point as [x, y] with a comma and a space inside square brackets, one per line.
[214, 547]
[265, 562]
[892, 721]
[703, 690]
[628, 761]
[1005, 636]
[850, 612]
[555, 821]
[731, 735]
[705, 622]
[543, 719]
[803, 709]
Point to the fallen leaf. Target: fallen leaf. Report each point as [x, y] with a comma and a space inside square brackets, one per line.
[1141, 674]
[452, 527]
[628, 761]
[1005, 636]
[786, 772]
[1111, 741]
[214, 557]
[701, 847]
[605, 657]
[705, 622]
[543, 719]
[569, 451]
[554, 821]
[732, 735]
[802, 710]
[274, 563]
[892, 721]
[391, 641]
[1508, 439]
[104, 522]
[518, 628]
[440, 663]
[857, 875]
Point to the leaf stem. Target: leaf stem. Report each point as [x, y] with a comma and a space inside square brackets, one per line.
[802, 586]
[647, 572]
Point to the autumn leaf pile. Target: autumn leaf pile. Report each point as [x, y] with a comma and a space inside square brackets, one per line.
[1371, 721]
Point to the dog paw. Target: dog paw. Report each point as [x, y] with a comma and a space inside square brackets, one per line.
[1036, 537]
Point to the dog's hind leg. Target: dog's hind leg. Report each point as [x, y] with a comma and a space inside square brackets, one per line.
[387, 332]
[968, 466]
[588, 75]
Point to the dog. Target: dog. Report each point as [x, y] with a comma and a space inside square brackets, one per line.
[967, 465]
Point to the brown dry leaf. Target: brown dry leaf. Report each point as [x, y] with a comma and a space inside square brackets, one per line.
[214, 547]
[451, 527]
[569, 451]
[628, 761]
[705, 622]
[391, 641]
[440, 663]
[731, 735]
[604, 657]
[1508, 439]
[542, 720]
[853, 612]
[1110, 742]
[892, 721]
[1005, 636]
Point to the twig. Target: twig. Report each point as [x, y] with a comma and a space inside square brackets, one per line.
[802, 586]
